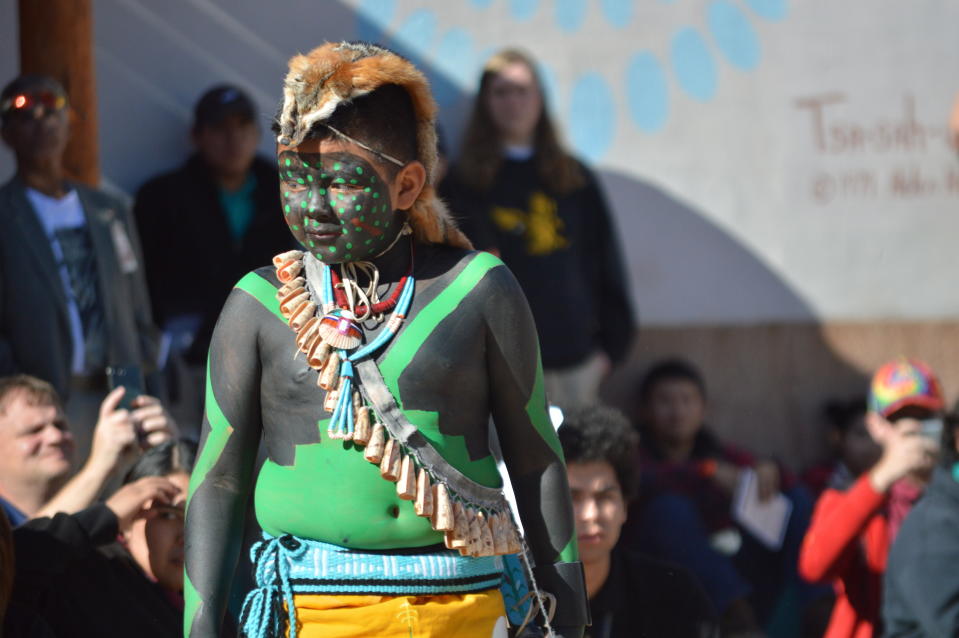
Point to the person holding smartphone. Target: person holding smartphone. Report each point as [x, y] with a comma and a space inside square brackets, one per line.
[38, 450]
[856, 520]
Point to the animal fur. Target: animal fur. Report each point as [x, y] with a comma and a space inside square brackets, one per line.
[335, 73]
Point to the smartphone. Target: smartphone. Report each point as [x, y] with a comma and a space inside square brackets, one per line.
[131, 378]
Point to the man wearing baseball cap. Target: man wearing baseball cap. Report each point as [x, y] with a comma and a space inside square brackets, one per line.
[219, 209]
[856, 520]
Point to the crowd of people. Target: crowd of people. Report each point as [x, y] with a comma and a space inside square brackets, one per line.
[95, 472]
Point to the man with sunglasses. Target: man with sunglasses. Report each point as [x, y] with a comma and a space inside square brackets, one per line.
[856, 520]
[72, 294]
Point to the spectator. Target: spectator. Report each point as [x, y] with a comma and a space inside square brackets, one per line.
[75, 576]
[921, 588]
[525, 198]
[220, 207]
[629, 594]
[74, 296]
[689, 478]
[852, 450]
[37, 447]
[856, 519]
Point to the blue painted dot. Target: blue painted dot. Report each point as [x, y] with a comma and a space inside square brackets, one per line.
[570, 14]
[647, 92]
[372, 18]
[693, 64]
[734, 35]
[550, 85]
[592, 116]
[523, 10]
[769, 9]
[455, 61]
[618, 12]
[415, 36]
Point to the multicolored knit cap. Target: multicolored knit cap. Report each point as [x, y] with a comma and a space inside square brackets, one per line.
[904, 382]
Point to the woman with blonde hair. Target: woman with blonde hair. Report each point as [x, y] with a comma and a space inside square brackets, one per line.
[519, 194]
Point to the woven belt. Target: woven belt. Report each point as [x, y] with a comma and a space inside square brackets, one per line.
[287, 565]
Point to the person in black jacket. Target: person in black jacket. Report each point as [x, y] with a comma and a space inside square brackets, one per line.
[921, 586]
[520, 195]
[209, 222]
[74, 578]
[630, 595]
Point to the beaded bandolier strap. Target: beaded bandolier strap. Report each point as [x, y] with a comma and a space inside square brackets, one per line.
[474, 519]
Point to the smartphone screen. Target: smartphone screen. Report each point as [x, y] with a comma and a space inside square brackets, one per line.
[131, 378]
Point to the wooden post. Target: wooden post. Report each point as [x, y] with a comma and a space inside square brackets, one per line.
[56, 39]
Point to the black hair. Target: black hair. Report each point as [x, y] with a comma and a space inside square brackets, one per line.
[383, 119]
[598, 433]
[164, 459]
[671, 370]
[840, 414]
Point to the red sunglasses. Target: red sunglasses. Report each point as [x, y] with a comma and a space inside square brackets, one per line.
[28, 103]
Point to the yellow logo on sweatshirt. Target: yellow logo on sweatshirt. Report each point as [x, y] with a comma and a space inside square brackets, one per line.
[541, 226]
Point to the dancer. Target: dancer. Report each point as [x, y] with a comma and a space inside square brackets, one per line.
[370, 365]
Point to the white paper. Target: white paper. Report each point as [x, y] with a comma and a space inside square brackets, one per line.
[766, 520]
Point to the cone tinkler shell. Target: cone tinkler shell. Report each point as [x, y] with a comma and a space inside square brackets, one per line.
[289, 270]
[305, 335]
[361, 428]
[340, 330]
[284, 258]
[390, 463]
[329, 403]
[423, 505]
[292, 301]
[474, 543]
[287, 288]
[459, 537]
[406, 486]
[302, 315]
[374, 449]
[330, 375]
[499, 526]
[318, 353]
[486, 535]
[442, 519]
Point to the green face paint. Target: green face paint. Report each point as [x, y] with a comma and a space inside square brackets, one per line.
[334, 195]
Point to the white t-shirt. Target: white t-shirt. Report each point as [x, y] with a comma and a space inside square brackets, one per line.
[55, 214]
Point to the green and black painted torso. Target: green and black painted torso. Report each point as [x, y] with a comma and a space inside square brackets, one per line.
[466, 352]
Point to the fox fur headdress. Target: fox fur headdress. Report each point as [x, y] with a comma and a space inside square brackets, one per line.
[336, 73]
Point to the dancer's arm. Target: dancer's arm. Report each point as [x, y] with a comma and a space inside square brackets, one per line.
[531, 448]
[223, 476]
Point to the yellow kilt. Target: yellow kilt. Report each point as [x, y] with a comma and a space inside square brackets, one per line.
[475, 615]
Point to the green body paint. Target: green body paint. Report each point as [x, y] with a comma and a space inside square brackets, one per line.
[411, 339]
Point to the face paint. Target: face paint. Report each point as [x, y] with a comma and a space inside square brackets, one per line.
[337, 205]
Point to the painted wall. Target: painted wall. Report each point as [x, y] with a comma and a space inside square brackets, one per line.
[768, 160]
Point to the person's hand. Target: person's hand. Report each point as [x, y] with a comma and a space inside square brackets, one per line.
[134, 499]
[767, 479]
[726, 476]
[115, 435]
[905, 451]
[153, 422]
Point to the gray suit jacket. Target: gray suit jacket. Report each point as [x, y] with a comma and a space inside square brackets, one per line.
[34, 326]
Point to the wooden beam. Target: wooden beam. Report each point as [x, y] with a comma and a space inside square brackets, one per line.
[56, 39]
